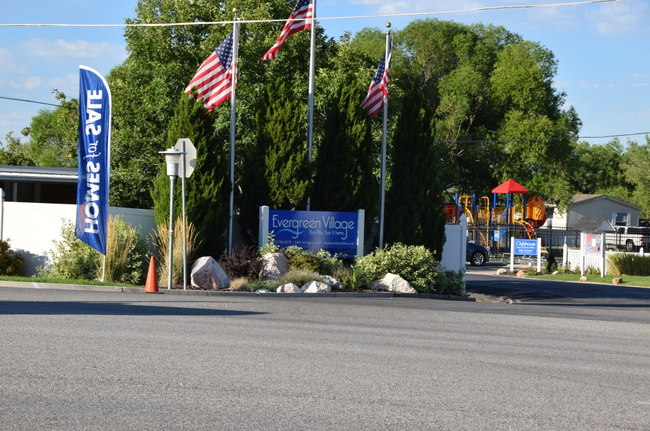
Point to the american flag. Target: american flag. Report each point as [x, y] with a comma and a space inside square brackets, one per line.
[378, 87]
[304, 12]
[214, 77]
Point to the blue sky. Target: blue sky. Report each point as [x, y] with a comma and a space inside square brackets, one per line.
[602, 49]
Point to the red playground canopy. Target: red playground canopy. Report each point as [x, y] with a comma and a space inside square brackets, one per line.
[510, 186]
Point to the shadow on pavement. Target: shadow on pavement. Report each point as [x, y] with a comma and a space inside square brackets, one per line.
[109, 308]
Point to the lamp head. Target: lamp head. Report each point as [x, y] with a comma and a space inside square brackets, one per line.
[172, 159]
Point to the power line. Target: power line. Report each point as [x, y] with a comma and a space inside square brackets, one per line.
[34, 101]
[193, 23]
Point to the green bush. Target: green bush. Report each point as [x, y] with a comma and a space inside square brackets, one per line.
[628, 264]
[322, 263]
[451, 283]
[11, 263]
[299, 277]
[126, 255]
[415, 264]
[352, 277]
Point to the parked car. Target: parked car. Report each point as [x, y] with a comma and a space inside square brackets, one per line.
[629, 238]
[477, 254]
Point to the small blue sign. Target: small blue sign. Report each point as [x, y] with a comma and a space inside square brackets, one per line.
[525, 247]
[335, 232]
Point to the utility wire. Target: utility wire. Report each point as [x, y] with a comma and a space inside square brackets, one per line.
[477, 9]
[35, 101]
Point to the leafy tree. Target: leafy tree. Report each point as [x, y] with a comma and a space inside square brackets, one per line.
[53, 134]
[15, 153]
[414, 207]
[161, 62]
[637, 172]
[208, 189]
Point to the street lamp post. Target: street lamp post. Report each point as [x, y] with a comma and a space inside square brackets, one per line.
[172, 159]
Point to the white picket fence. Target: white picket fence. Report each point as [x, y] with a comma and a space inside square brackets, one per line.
[572, 259]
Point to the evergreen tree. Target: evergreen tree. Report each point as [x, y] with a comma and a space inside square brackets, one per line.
[207, 190]
[414, 209]
[283, 135]
[274, 171]
[344, 179]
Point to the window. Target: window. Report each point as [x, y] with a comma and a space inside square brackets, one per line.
[620, 219]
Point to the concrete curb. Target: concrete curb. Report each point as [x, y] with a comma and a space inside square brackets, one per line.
[93, 288]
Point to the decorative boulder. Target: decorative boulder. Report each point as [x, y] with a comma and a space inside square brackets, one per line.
[288, 288]
[555, 272]
[332, 282]
[207, 274]
[583, 278]
[521, 273]
[316, 287]
[394, 283]
[275, 266]
[502, 271]
[617, 280]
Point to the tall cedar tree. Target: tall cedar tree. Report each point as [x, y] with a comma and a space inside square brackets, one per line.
[414, 209]
[207, 189]
[344, 179]
[283, 135]
[275, 171]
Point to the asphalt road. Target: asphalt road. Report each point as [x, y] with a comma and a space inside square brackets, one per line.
[102, 360]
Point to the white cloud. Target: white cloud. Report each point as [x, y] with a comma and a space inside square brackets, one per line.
[10, 65]
[73, 49]
[641, 84]
[32, 82]
[612, 19]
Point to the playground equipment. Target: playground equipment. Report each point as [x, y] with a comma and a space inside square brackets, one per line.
[488, 224]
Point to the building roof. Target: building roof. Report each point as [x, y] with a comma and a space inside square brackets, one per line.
[583, 198]
[39, 174]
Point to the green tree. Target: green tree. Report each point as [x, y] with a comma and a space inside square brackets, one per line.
[15, 153]
[208, 189]
[288, 172]
[414, 208]
[637, 172]
[344, 179]
[53, 134]
[600, 169]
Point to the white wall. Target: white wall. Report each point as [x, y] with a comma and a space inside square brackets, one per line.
[31, 227]
[453, 253]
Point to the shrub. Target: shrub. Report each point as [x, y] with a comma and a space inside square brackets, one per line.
[161, 242]
[246, 263]
[71, 258]
[551, 263]
[415, 264]
[451, 283]
[299, 277]
[11, 263]
[628, 264]
[126, 253]
[323, 262]
[240, 284]
[352, 277]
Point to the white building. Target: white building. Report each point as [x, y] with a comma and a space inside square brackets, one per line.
[618, 212]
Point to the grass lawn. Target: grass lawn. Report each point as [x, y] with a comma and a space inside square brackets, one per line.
[62, 281]
[628, 280]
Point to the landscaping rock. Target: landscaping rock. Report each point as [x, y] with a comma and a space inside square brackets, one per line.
[394, 283]
[275, 266]
[617, 280]
[288, 288]
[521, 273]
[502, 271]
[555, 272]
[207, 274]
[316, 287]
[332, 282]
[583, 278]
[263, 291]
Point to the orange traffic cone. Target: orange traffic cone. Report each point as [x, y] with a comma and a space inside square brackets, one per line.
[152, 279]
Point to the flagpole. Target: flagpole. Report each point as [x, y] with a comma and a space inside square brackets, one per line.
[312, 72]
[382, 199]
[233, 88]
